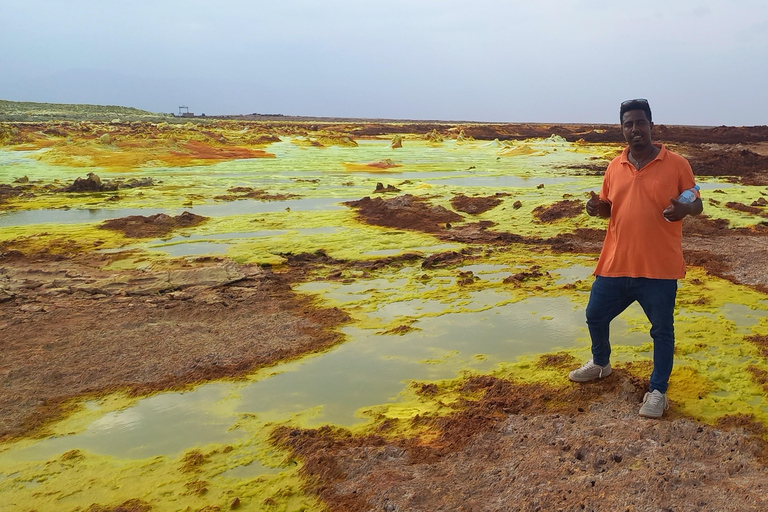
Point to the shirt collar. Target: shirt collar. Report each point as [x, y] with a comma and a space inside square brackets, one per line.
[662, 154]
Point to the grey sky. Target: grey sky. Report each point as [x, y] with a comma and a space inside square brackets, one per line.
[698, 62]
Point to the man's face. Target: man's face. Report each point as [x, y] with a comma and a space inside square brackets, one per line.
[636, 129]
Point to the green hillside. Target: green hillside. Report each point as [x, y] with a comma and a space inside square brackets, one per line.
[29, 111]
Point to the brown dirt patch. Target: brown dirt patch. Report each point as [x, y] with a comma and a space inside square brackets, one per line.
[559, 360]
[132, 505]
[476, 205]
[387, 163]
[91, 183]
[479, 233]
[741, 207]
[9, 191]
[442, 259]
[749, 166]
[760, 341]
[236, 193]
[152, 226]
[532, 273]
[582, 447]
[760, 376]
[404, 212]
[381, 189]
[565, 209]
[738, 255]
[153, 331]
[585, 240]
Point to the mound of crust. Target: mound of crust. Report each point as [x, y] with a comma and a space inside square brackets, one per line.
[564, 209]
[73, 330]
[750, 166]
[476, 205]
[535, 448]
[404, 212]
[139, 226]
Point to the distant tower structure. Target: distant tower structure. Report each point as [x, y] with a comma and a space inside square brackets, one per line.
[184, 111]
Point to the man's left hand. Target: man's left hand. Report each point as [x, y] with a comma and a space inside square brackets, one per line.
[677, 211]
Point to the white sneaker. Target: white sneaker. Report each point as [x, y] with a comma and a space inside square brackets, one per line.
[590, 371]
[654, 404]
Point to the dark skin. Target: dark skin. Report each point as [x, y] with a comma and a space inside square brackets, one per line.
[637, 130]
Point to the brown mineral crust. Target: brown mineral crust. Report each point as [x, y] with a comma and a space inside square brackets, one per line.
[560, 360]
[132, 505]
[381, 189]
[478, 233]
[752, 167]
[741, 207]
[588, 133]
[92, 183]
[743, 421]
[714, 264]
[387, 163]
[738, 255]
[588, 169]
[250, 193]
[760, 376]
[532, 273]
[705, 225]
[193, 461]
[442, 259]
[476, 205]
[565, 209]
[760, 341]
[579, 447]
[152, 226]
[389, 261]
[400, 330]
[582, 240]
[404, 212]
[715, 134]
[8, 191]
[319, 256]
[70, 330]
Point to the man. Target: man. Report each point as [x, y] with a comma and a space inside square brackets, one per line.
[642, 256]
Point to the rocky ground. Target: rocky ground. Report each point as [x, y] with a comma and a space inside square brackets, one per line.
[151, 330]
[530, 448]
[516, 448]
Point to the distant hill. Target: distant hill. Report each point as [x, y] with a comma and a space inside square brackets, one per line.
[29, 111]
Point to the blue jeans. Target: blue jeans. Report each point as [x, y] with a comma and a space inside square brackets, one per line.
[612, 295]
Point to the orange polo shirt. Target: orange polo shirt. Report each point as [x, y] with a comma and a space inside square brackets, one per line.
[639, 241]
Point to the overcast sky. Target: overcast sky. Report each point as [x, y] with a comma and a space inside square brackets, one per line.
[699, 62]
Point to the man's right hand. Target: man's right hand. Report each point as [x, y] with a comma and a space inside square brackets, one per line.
[596, 207]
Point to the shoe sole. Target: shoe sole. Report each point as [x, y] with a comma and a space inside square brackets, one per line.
[606, 373]
[651, 416]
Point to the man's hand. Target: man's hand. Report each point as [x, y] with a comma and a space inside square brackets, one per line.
[677, 211]
[596, 207]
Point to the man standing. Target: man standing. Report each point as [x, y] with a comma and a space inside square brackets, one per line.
[642, 256]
